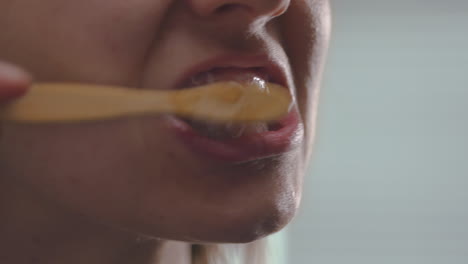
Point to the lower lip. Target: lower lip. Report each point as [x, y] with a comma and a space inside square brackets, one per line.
[245, 148]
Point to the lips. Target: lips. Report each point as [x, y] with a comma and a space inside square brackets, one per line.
[237, 142]
[248, 147]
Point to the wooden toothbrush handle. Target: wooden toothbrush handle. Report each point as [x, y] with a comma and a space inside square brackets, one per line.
[65, 102]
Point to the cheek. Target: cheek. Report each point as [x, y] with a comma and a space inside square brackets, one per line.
[305, 34]
[81, 163]
[88, 40]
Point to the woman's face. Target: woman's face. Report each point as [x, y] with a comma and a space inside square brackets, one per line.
[160, 175]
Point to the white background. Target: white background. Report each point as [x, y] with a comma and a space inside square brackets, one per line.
[389, 179]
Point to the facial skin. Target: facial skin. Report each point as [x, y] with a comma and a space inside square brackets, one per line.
[132, 174]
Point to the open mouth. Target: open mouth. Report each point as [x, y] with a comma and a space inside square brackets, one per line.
[237, 142]
[216, 131]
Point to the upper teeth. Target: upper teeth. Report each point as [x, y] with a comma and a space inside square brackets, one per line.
[202, 79]
[229, 75]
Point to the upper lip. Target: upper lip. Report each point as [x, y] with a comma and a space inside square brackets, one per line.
[262, 62]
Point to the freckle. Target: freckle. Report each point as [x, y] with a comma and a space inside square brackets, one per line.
[113, 48]
[74, 180]
[36, 240]
[34, 260]
[170, 154]
[162, 170]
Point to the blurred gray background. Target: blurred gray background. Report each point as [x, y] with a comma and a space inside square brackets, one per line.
[389, 179]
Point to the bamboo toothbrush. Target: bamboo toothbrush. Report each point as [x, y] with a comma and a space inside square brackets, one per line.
[217, 102]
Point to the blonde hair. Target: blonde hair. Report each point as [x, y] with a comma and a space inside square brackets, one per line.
[252, 253]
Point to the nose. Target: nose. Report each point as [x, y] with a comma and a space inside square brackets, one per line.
[255, 8]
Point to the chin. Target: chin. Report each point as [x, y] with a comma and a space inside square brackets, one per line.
[236, 230]
[239, 204]
[252, 227]
[233, 223]
[243, 223]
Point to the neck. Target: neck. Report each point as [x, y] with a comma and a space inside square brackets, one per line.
[32, 233]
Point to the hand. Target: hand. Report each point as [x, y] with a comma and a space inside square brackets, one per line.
[14, 82]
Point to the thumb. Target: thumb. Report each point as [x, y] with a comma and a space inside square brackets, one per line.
[14, 81]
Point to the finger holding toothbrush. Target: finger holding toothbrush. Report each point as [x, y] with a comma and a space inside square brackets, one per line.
[14, 81]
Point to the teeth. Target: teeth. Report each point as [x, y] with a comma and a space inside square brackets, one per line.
[256, 128]
[227, 131]
[202, 79]
[235, 131]
[219, 75]
[251, 78]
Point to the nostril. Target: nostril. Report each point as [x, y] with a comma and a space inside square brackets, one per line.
[225, 8]
[253, 8]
